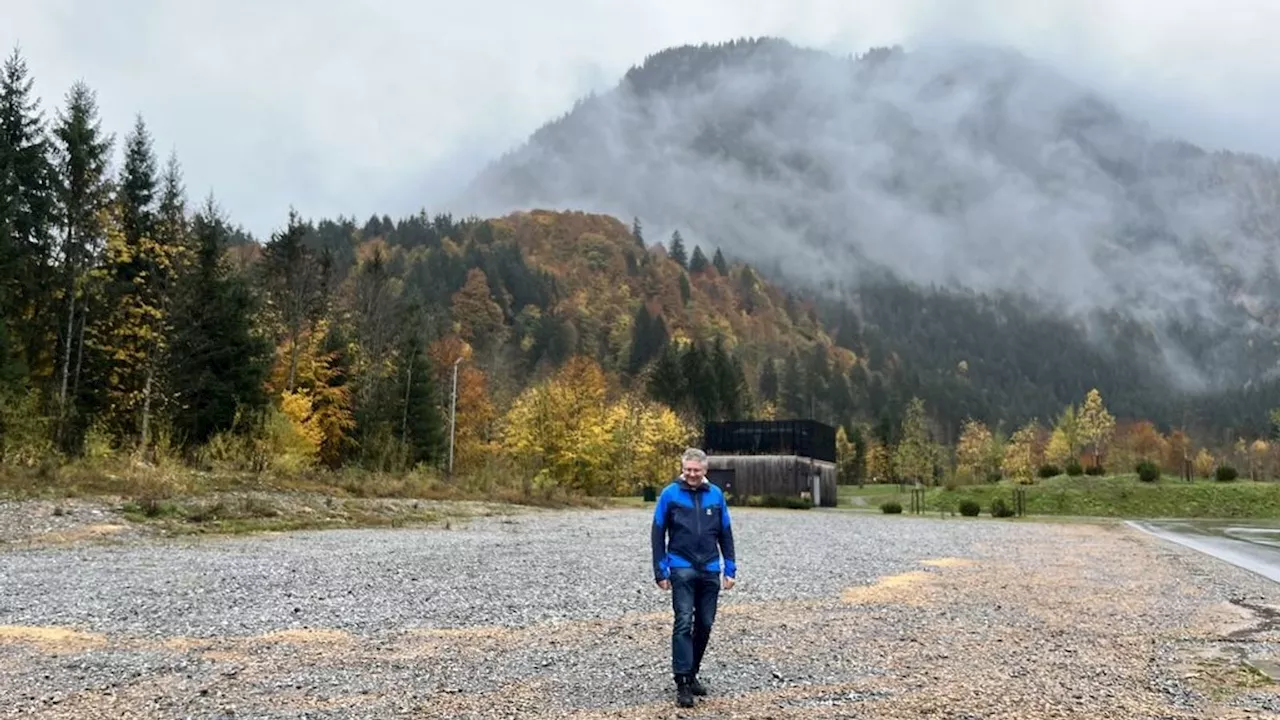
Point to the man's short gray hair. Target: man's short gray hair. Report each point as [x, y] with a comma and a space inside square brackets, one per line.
[695, 455]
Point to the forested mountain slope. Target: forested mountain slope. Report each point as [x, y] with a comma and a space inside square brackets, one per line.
[589, 347]
[957, 183]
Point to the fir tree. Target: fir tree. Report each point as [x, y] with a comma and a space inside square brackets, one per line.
[294, 287]
[424, 425]
[721, 266]
[138, 184]
[649, 335]
[791, 393]
[12, 372]
[27, 219]
[219, 364]
[666, 382]
[701, 393]
[769, 381]
[84, 190]
[676, 250]
[698, 262]
[732, 393]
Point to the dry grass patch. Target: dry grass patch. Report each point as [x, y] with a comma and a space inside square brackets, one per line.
[52, 639]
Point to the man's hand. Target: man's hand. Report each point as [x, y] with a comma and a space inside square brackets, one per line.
[728, 583]
[664, 584]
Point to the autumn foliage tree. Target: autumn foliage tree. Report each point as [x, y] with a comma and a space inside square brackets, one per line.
[1096, 425]
[916, 453]
[576, 440]
[1064, 440]
[1023, 453]
[976, 453]
[474, 412]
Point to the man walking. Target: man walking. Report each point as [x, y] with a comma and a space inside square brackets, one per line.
[691, 530]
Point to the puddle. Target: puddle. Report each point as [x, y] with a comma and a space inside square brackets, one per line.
[1254, 546]
[1267, 620]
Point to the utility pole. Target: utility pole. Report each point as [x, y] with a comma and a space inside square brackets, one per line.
[453, 413]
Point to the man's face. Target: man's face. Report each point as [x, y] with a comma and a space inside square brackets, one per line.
[694, 471]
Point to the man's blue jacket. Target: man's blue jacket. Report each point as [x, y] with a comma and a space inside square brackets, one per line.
[691, 528]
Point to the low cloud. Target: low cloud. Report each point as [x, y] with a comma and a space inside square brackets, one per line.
[345, 107]
[954, 165]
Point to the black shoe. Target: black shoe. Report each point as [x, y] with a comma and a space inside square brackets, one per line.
[684, 693]
[696, 687]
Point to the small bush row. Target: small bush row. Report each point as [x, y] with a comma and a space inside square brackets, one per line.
[968, 508]
[1072, 468]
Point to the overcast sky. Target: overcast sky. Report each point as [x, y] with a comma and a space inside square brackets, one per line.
[354, 107]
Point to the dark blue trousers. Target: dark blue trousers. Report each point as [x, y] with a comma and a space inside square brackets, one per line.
[694, 596]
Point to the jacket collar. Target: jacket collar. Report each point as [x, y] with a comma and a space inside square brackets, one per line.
[704, 485]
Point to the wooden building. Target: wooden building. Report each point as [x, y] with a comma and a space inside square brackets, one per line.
[781, 458]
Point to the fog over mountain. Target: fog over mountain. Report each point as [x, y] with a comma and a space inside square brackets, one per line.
[968, 167]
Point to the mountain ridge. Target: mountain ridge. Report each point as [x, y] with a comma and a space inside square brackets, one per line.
[963, 169]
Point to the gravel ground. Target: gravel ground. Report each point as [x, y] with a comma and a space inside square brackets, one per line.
[63, 521]
[553, 614]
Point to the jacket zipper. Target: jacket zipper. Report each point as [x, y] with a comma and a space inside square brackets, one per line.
[697, 524]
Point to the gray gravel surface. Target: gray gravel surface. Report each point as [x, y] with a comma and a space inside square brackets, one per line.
[24, 523]
[547, 613]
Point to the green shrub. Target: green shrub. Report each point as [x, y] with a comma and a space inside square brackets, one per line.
[781, 501]
[891, 507]
[1073, 468]
[1226, 473]
[1148, 471]
[1000, 509]
[25, 430]
[1049, 470]
[994, 476]
[970, 508]
[1095, 471]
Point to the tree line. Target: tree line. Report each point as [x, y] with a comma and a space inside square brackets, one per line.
[134, 321]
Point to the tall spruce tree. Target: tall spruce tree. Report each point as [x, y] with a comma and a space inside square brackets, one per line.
[792, 399]
[702, 395]
[769, 381]
[698, 261]
[27, 219]
[732, 393]
[84, 189]
[721, 266]
[294, 280]
[677, 250]
[138, 183]
[649, 335]
[138, 266]
[172, 255]
[423, 423]
[219, 363]
[666, 381]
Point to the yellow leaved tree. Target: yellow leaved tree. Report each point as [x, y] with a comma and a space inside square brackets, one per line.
[879, 461]
[562, 428]
[974, 457]
[135, 274]
[1064, 442]
[916, 453]
[846, 458]
[571, 438]
[647, 438]
[319, 412]
[1096, 425]
[1204, 463]
[1022, 455]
